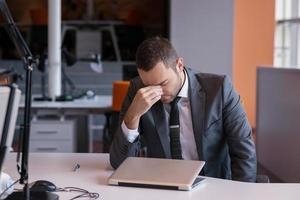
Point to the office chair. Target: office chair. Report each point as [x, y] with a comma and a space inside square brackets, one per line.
[120, 89]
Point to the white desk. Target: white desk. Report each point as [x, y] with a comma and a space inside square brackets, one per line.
[97, 105]
[95, 170]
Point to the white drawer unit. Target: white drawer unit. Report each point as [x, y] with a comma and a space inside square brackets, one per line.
[51, 146]
[52, 136]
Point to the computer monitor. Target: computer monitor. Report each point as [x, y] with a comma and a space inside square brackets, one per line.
[278, 123]
[9, 98]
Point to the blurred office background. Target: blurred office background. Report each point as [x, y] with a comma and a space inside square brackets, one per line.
[256, 43]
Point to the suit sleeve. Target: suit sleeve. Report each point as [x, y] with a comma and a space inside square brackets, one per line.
[121, 148]
[239, 135]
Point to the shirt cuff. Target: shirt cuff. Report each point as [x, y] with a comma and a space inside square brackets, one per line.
[130, 134]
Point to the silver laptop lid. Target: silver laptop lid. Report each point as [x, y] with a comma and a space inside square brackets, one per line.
[151, 172]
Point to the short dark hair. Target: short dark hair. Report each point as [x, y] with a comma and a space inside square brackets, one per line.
[154, 50]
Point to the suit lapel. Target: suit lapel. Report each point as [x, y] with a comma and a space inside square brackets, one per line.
[160, 120]
[197, 101]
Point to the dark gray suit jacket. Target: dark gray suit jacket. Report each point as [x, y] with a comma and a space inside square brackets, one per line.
[221, 129]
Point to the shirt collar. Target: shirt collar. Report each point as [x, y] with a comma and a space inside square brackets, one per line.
[184, 92]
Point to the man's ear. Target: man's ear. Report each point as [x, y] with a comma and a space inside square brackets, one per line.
[179, 64]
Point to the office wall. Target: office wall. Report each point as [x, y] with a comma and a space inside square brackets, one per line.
[254, 24]
[202, 32]
[230, 37]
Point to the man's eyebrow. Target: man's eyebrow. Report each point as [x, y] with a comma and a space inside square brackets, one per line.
[157, 84]
[161, 83]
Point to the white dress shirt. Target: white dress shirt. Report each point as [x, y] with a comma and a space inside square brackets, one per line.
[187, 139]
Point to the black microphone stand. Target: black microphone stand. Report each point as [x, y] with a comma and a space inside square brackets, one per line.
[26, 55]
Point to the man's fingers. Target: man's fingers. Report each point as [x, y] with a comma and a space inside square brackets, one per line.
[154, 94]
[152, 100]
[150, 97]
[151, 92]
[150, 88]
[145, 98]
[155, 99]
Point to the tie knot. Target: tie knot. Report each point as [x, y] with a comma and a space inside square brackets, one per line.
[175, 101]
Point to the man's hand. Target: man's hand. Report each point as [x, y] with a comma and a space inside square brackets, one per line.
[142, 102]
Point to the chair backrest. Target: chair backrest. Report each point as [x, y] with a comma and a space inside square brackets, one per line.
[120, 89]
[277, 123]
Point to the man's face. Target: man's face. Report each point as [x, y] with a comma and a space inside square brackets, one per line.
[168, 78]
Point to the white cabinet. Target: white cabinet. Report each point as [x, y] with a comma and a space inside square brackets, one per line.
[52, 136]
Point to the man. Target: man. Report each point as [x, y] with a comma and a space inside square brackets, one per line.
[211, 124]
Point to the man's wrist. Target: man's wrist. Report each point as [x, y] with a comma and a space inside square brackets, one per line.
[130, 134]
[131, 121]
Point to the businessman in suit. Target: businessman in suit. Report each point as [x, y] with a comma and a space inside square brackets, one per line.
[174, 112]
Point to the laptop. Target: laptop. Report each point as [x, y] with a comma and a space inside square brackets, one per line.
[158, 173]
